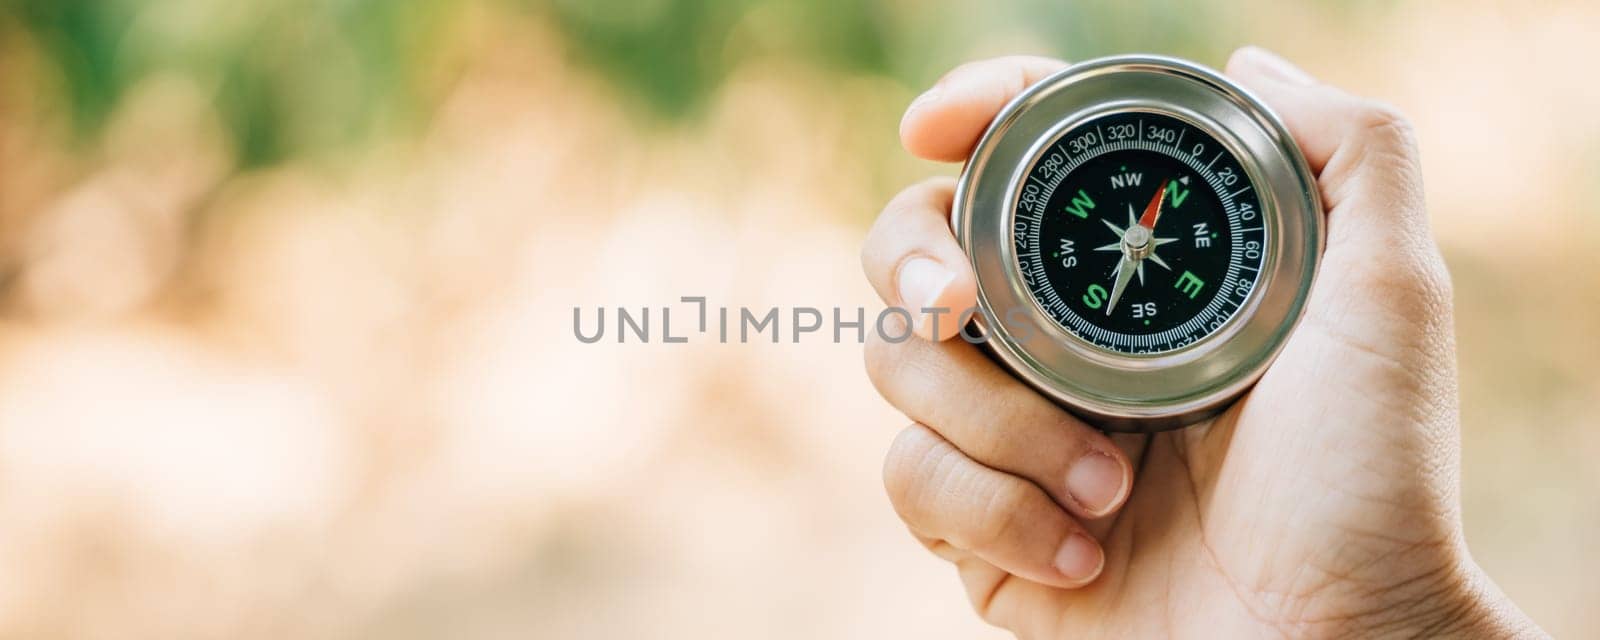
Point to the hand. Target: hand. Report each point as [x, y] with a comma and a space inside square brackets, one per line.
[1323, 503]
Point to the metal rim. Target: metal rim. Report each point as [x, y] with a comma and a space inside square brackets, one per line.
[1139, 392]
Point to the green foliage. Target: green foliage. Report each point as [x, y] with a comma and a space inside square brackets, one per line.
[293, 77]
[1092, 28]
[80, 37]
[664, 52]
[670, 55]
[289, 76]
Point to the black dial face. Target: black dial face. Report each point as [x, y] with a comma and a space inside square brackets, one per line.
[1139, 233]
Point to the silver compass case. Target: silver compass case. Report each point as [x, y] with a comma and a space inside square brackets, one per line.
[1139, 392]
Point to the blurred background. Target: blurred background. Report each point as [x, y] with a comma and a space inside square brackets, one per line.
[286, 292]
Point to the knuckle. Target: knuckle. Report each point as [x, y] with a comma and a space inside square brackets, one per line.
[1436, 290]
[1378, 122]
[909, 468]
[983, 598]
[981, 594]
[1421, 278]
[1001, 447]
[875, 247]
[899, 225]
[931, 193]
[872, 249]
[996, 518]
[1379, 163]
[1416, 286]
[882, 357]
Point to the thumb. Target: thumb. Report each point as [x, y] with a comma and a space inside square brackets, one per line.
[1382, 281]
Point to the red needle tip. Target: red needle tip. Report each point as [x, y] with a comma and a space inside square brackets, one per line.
[1152, 211]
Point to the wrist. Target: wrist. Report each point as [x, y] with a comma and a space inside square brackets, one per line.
[1486, 612]
[1464, 603]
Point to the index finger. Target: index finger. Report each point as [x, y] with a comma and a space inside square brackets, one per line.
[945, 122]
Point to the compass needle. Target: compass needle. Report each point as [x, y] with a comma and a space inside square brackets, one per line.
[1142, 132]
[1152, 185]
[1124, 273]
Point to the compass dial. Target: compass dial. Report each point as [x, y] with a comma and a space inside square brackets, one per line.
[1139, 233]
[1144, 233]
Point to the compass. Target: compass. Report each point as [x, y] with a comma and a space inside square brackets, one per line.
[1145, 235]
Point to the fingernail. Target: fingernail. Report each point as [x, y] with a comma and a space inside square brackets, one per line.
[1095, 481]
[1080, 559]
[1277, 67]
[922, 282]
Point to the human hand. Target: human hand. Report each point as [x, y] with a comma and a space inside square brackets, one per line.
[1323, 503]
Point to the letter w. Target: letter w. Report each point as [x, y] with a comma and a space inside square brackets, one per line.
[1081, 204]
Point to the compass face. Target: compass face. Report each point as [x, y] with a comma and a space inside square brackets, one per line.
[1139, 233]
[1145, 235]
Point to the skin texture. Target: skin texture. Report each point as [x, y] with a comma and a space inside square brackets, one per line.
[1324, 503]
